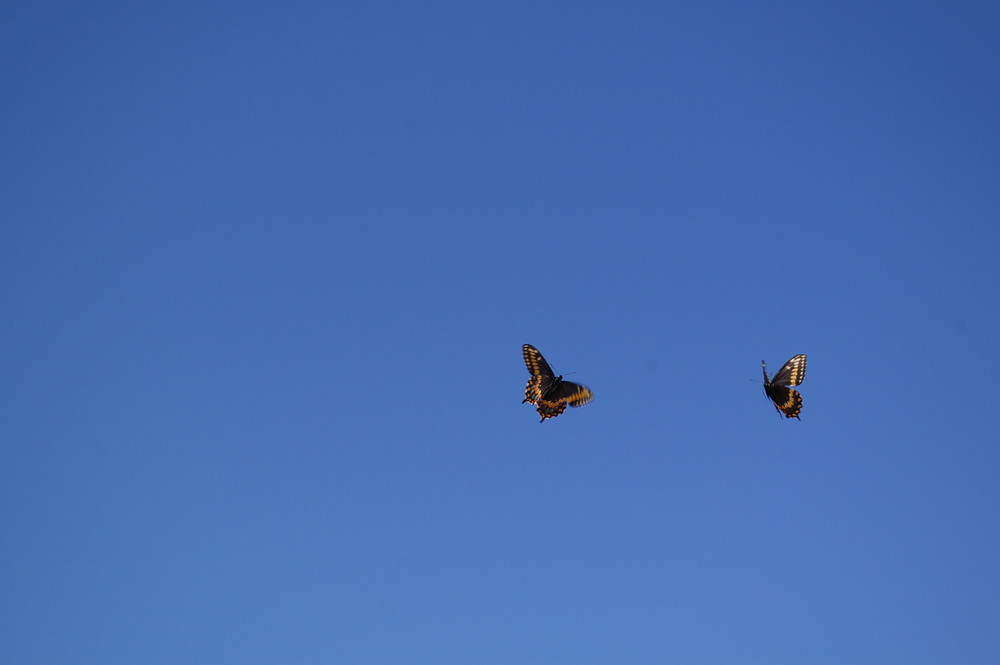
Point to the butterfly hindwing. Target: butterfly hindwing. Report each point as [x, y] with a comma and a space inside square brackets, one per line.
[533, 391]
[547, 409]
[548, 392]
[785, 399]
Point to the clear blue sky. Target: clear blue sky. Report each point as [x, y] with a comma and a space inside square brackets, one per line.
[267, 268]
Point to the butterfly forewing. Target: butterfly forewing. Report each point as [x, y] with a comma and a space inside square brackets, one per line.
[574, 394]
[792, 373]
[535, 363]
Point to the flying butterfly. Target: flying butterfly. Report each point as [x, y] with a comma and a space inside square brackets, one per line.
[785, 399]
[548, 392]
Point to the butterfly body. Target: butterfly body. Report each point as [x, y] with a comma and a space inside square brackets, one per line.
[785, 399]
[550, 393]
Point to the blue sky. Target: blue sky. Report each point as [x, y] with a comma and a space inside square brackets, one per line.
[266, 273]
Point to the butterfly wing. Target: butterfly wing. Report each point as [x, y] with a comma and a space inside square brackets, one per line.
[533, 391]
[535, 363]
[786, 400]
[549, 409]
[792, 373]
[542, 377]
[559, 395]
[572, 393]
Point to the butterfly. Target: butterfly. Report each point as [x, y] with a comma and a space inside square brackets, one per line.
[785, 399]
[548, 392]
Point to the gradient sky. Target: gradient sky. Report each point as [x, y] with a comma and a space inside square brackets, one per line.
[266, 270]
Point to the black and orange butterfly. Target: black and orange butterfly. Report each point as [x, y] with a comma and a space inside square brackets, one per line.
[547, 391]
[785, 399]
